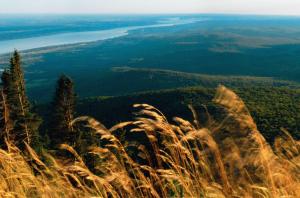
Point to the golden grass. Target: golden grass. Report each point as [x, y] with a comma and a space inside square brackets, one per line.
[179, 159]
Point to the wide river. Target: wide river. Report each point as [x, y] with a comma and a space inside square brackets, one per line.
[8, 46]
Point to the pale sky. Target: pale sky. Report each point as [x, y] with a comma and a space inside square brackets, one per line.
[277, 7]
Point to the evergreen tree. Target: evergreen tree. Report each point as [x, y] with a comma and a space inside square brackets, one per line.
[18, 84]
[62, 112]
[25, 123]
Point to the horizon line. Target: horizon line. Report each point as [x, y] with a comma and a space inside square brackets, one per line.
[150, 13]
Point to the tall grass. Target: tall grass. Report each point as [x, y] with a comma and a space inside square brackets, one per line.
[176, 158]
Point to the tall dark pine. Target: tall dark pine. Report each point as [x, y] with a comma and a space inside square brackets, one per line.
[17, 76]
[62, 112]
[25, 123]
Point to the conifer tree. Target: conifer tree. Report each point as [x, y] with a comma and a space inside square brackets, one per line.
[62, 112]
[25, 123]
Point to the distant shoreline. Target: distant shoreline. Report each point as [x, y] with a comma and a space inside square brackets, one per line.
[61, 39]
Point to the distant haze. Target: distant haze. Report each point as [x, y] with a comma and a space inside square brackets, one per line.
[273, 7]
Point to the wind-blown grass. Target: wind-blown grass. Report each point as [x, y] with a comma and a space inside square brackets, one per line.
[177, 159]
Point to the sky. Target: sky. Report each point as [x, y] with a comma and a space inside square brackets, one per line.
[272, 7]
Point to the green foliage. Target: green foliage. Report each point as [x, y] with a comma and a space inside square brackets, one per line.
[62, 111]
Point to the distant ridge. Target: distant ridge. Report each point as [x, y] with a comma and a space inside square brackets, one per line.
[204, 79]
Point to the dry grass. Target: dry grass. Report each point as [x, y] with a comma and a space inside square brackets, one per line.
[179, 159]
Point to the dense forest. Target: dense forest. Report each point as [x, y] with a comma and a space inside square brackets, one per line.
[272, 108]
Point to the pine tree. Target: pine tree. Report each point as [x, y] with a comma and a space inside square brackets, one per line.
[17, 87]
[62, 112]
[25, 123]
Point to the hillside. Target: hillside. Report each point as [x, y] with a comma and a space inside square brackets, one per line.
[272, 108]
[212, 148]
[273, 103]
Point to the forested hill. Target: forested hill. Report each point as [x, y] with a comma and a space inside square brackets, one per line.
[273, 103]
[128, 80]
[272, 108]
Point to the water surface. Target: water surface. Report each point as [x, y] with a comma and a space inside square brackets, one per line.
[7, 46]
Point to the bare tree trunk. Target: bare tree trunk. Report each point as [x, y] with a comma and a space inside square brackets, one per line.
[6, 119]
[25, 125]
